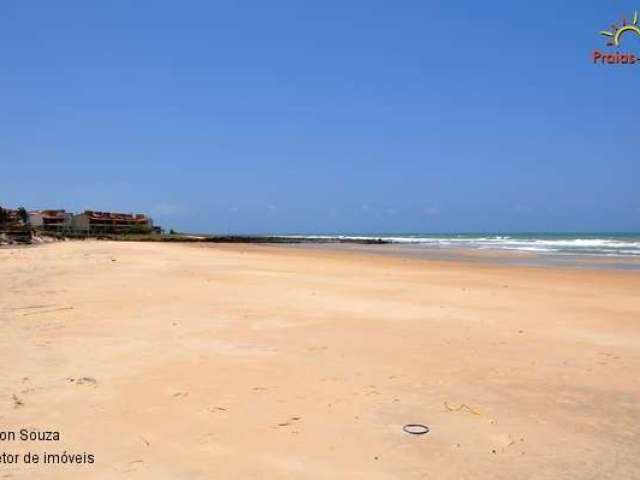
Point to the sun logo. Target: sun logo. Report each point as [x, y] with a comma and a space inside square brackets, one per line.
[618, 30]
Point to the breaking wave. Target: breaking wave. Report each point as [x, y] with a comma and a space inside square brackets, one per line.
[625, 245]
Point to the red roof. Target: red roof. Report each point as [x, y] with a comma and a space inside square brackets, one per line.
[51, 214]
[130, 217]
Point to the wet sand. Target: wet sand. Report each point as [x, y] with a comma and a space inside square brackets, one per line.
[172, 361]
[495, 256]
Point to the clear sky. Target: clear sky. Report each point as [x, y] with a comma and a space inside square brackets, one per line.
[322, 116]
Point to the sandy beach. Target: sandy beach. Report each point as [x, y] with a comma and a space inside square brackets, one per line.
[173, 361]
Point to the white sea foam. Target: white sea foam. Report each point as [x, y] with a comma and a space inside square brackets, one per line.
[615, 245]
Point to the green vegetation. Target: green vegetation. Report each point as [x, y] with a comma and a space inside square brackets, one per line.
[15, 228]
[23, 215]
[138, 230]
[6, 217]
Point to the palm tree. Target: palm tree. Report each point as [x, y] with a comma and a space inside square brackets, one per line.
[23, 215]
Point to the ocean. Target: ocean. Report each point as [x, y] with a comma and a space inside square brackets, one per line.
[574, 244]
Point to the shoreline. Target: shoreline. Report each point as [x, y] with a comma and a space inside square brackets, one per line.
[386, 246]
[486, 256]
[489, 256]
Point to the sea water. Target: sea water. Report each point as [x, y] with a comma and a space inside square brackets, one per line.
[608, 244]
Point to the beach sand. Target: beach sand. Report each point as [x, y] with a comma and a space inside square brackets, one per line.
[173, 361]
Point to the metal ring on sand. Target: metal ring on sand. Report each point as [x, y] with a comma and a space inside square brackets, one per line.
[416, 429]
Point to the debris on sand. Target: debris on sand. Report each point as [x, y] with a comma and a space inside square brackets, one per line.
[416, 429]
[47, 311]
[88, 380]
[463, 406]
[216, 409]
[17, 402]
[29, 307]
[291, 422]
[83, 381]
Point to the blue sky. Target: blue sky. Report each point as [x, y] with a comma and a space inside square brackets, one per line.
[332, 116]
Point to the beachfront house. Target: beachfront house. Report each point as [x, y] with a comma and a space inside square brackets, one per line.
[50, 220]
[92, 222]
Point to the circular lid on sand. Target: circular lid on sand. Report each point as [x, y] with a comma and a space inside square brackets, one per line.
[416, 429]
